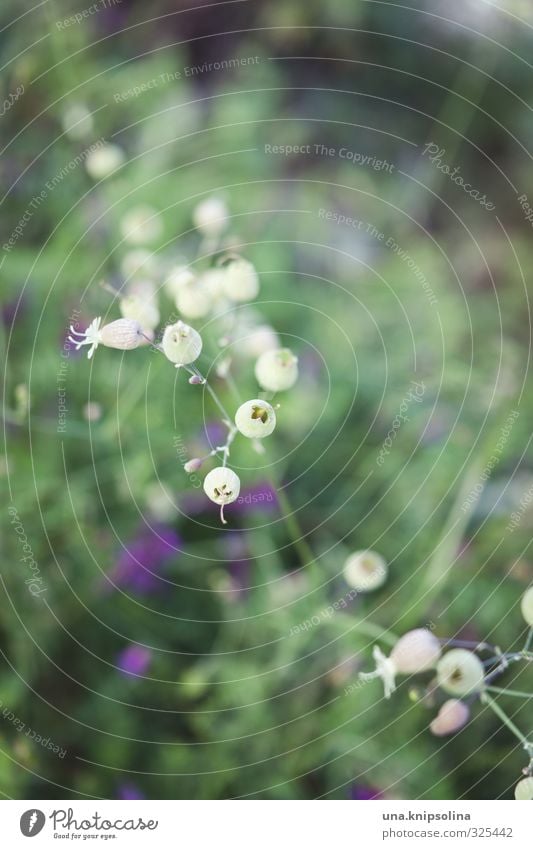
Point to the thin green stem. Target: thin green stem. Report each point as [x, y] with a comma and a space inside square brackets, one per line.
[507, 721]
[518, 693]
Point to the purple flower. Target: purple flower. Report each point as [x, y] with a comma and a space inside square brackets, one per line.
[144, 557]
[128, 790]
[134, 660]
[363, 792]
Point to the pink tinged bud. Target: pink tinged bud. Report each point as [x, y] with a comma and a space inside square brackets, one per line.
[417, 651]
[450, 718]
[123, 334]
[193, 465]
[196, 379]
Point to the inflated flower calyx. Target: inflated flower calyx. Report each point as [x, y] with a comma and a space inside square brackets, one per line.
[526, 606]
[450, 718]
[417, 651]
[255, 419]
[240, 281]
[365, 571]
[123, 334]
[141, 225]
[277, 370]
[193, 300]
[102, 161]
[222, 486]
[460, 672]
[210, 216]
[143, 310]
[181, 343]
[180, 275]
[524, 789]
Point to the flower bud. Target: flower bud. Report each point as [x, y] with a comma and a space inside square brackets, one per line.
[450, 718]
[123, 334]
[77, 121]
[526, 606]
[258, 340]
[277, 370]
[417, 651]
[141, 225]
[365, 571]
[460, 672]
[240, 281]
[210, 216]
[181, 344]
[524, 789]
[143, 310]
[138, 261]
[193, 300]
[222, 486]
[196, 380]
[193, 465]
[179, 276]
[102, 161]
[255, 419]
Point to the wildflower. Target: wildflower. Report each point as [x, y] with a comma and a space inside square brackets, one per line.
[143, 558]
[128, 790]
[137, 261]
[277, 370]
[365, 571]
[417, 651]
[460, 672]
[450, 718]
[92, 411]
[102, 161]
[524, 789]
[526, 606]
[178, 276]
[255, 419]
[134, 660]
[222, 486]
[123, 334]
[240, 281]
[210, 216]
[193, 465]
[258, 340]
[181, 344]
[193, 300]
[141, 225]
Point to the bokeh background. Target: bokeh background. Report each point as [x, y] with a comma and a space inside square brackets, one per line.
[159, 657]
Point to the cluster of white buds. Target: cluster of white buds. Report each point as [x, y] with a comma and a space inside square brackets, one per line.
[217, 295]
[104, 160]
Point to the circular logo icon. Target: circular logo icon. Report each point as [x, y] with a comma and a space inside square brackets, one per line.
[32, 822]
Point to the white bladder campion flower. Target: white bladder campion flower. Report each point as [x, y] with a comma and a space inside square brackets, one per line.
[365, 571]
[451, 717]
[524, 789]
[222, 486]
[138, 261]
[277, 370]
[255, 419]
[181, 344]
[210, 216]
[77, 121]
[526, 606]
[141, 309]
[257, 340]
[460, 672]
[102, 161]
[178, 276]
[417, 651]
[193, 300]
[141, 225]
[240, 281]
[123, 334]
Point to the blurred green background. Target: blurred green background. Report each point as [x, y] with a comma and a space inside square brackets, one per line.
[227, 702]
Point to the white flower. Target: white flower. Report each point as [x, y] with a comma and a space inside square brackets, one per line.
[92, 411]
[141, 225]
[138, 261]
[178, 276]
[417, 651]
[277, 370]
[222, 486]
[258, 340]
[193, 300]
[77, 121]
[526, 606]
[181, 344]
[210, 216]
[122, 334]
[524, 789]
[365, 571]
[450, 718]
[102, 161]
[255, 419]
[143, 310]
[460, 672]
[240, 281]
